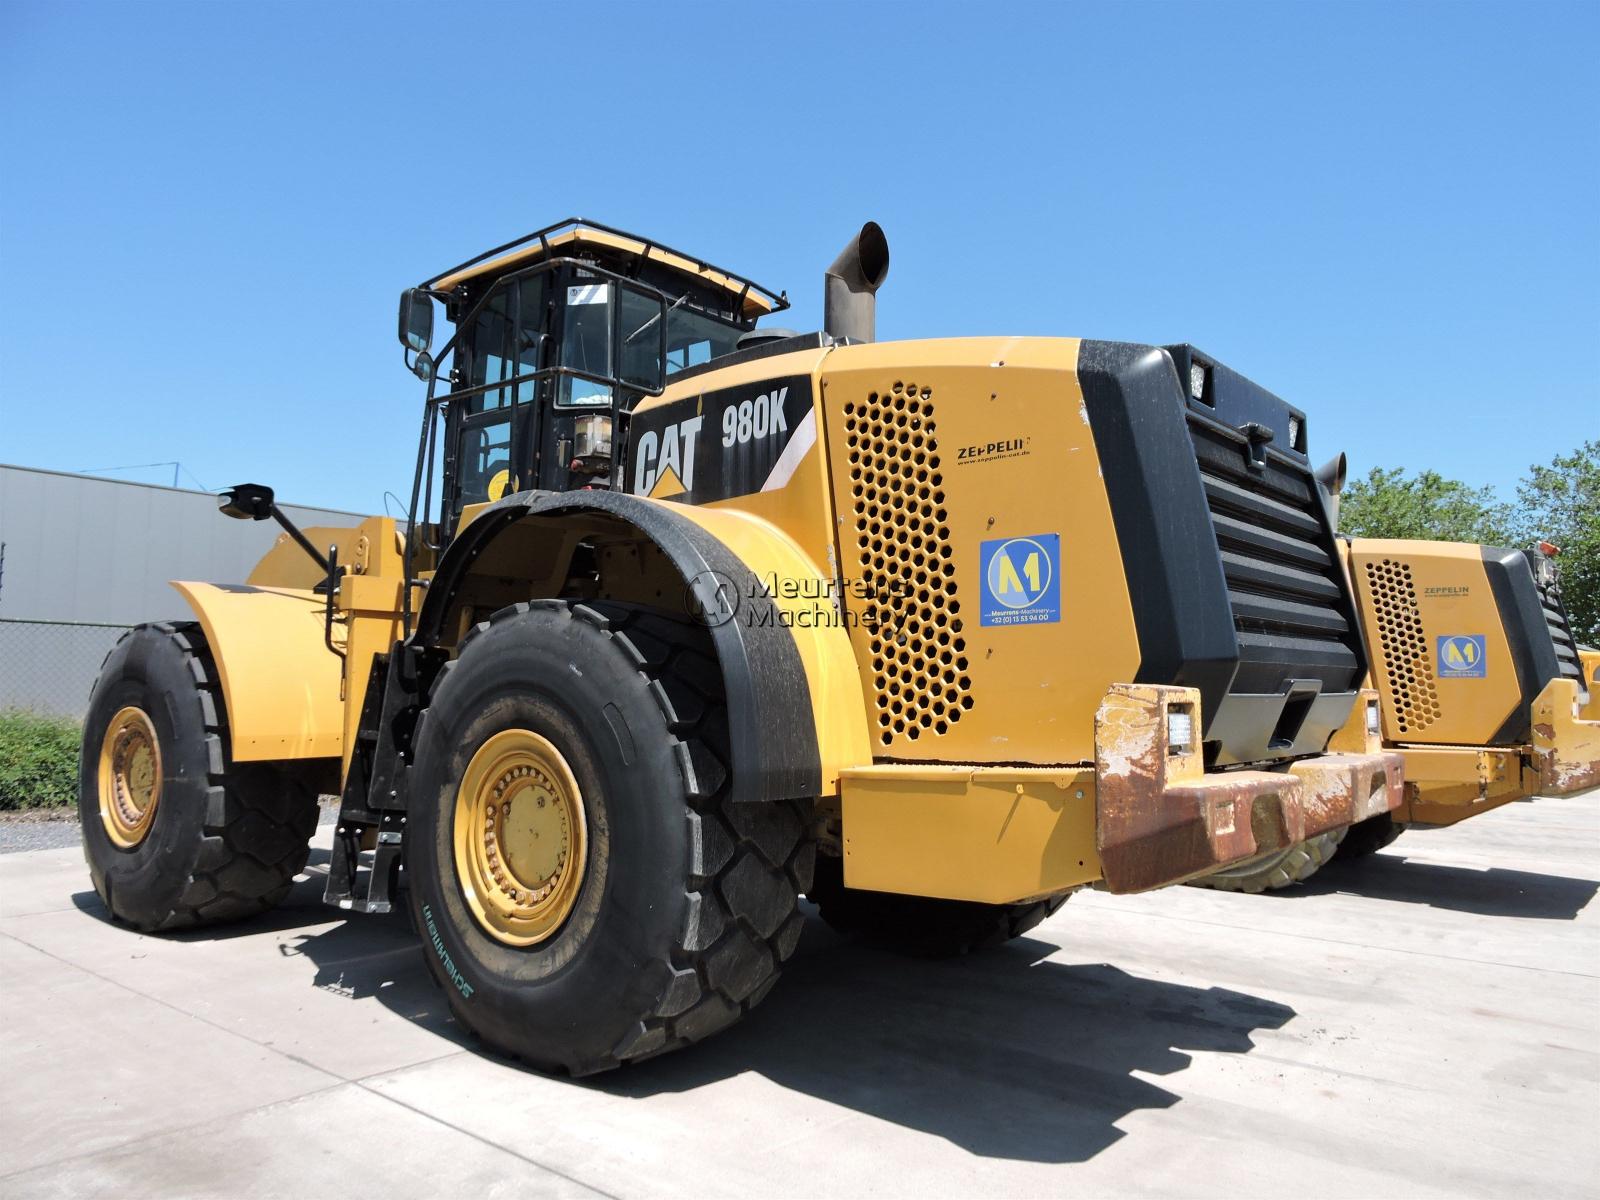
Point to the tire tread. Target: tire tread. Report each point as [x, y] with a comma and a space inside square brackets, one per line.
[749, 863]
[1302, 861]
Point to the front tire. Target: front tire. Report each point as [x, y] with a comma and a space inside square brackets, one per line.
[175, 835]
[921, 926]
[682, 904]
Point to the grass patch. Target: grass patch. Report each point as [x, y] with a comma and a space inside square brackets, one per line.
[38, 761]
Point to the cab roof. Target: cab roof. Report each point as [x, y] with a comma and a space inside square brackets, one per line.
[575, 232]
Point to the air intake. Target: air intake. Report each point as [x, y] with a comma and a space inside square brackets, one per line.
[1403, 644]
[909, 602]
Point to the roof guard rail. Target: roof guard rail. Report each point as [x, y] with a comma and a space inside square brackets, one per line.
[779, 300]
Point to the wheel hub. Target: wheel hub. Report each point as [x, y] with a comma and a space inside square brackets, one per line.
[520, 837]
[130, 777]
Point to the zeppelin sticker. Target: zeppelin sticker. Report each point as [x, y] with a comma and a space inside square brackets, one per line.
[1021, 580]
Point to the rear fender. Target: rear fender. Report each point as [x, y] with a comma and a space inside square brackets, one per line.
[795, 710]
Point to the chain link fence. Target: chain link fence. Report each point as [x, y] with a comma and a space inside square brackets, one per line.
[50, 666]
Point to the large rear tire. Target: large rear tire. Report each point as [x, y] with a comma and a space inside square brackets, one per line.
[652, 911]
[175, 835]
[1282, 869]
[1369, 836]
[920, 925]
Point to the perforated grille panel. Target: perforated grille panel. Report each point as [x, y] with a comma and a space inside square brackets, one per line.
[908, 595]
[1407, 659]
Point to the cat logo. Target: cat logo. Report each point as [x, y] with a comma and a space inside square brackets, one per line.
[664, 464]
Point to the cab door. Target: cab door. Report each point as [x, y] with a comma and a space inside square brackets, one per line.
[497, 413]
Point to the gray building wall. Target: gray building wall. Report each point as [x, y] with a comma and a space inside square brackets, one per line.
[86, 558]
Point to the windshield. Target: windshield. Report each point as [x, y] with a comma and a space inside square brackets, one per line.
[692, 338]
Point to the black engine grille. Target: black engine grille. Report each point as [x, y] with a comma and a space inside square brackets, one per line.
[1291, 610]
[1555, 617]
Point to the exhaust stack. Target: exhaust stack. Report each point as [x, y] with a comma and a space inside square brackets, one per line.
[1331, 476]
[850, 287]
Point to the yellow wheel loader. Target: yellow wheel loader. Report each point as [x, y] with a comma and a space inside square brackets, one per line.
[692, 617]
[1483, 689]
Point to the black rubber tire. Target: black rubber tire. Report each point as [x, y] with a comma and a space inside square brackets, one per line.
[226, 841]
[688, 904]
[1369, 836]
[1283, 869]
[920, 925]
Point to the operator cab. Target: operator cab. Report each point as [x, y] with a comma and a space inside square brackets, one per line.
[557, 337]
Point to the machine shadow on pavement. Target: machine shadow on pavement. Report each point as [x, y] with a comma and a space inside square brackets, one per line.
[1004, 1053]
[1491, 892]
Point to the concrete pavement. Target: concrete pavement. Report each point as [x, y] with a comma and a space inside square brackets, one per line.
[1425, 1023]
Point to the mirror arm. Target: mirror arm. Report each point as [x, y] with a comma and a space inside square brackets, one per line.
[255, 502]
[301, 540]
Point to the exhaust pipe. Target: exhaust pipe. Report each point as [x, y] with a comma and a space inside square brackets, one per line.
[850, 287]
[1330, 475]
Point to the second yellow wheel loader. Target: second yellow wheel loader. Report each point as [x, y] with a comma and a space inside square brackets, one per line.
[1483, 688]
[1483, 685]
[692, 618]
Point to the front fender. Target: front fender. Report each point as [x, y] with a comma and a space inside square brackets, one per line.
[795, 709]
[280, 682]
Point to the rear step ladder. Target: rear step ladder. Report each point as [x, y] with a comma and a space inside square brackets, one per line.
[366, 889]
[372, 809]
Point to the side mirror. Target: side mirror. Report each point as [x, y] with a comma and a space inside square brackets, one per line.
[416, 320]
[246, 502]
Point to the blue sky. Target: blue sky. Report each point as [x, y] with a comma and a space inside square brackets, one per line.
[1386, 213]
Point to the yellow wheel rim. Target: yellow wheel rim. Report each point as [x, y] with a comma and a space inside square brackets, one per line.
[520, 837]
[130, 777]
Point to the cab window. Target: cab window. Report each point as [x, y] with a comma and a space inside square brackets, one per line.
[693, 338]
[639, 326]
[485, 462]
[506, 340]
[491, 353]
[531, 313]
[586, 345]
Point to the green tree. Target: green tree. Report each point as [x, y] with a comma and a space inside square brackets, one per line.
[1389, 504]
[1560, 503]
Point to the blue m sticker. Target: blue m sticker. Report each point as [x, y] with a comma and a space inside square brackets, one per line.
[1461, 656]
[1021, 580]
